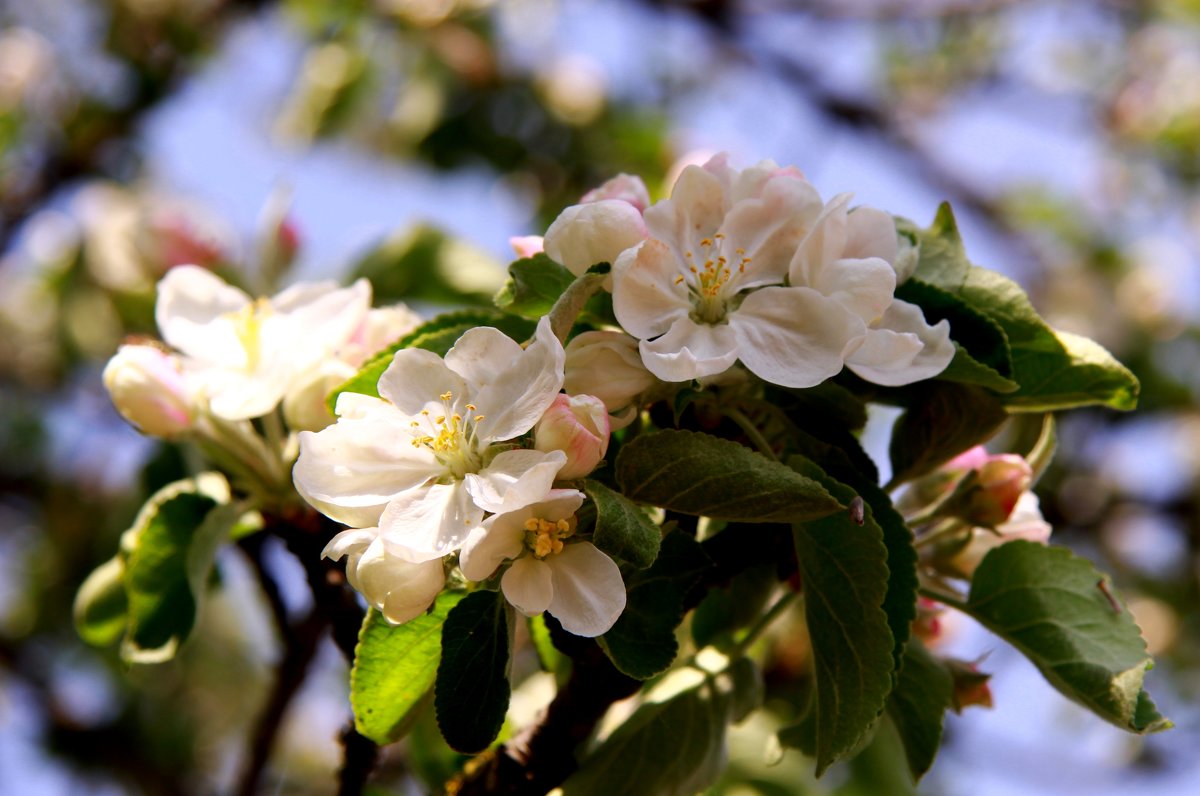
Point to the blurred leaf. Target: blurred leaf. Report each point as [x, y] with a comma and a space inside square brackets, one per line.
[425, 264]
[703, 475]
[101, 607]
[738, 605]
[437, 335]
[168, 555]
[1048, 603]
[843, 566]
[1055, 370]
[394, 670]
[642, 641]
[675, 742]
[942, 420]
[924, 691]
[472, 689]
[622, 529]
[533, 285]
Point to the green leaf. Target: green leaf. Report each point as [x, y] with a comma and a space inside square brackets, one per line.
[1055, 370]
[472, 690]
[729, 608]
[917, 707]
[394, 670]
[981, 339]
[622, 529]
[437, 335]
[942, 421]
[642, 641]
[101, 607]
[533, 285]
[965, 369]
[675, 742]
[843, 566]
[703, 475]
[1048, 603]
[168, 555]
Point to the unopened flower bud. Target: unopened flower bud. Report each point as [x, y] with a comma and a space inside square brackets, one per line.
[626, 187]
[1026, 522]
[595, 232]
[970, 685]
[608, 366]
[1000, 482]
[148, 389]
[578, 426]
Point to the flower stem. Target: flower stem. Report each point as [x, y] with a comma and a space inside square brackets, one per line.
[764, 621]
[568, 306]
[954, 601]
[751, 431]
[945, 528]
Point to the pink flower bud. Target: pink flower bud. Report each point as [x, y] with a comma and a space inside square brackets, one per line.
[626, 187]
[578, 426]
[1001, 481]
[147, 387]
[608, 366]
[1025, 522]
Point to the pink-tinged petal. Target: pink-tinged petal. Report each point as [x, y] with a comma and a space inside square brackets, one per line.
[424, 524]
[690, 350]
[417, 378]
[527, 585]
[482, 355]
[768, 229]
[748, 183]
[191, 304]
[648, 295]
[695, 211]
[588, 592]
[586, 234]
[516, 399]
[822, 246]
[499, 538]
[870, 233]
[794, 336]
[514, 479]
[351, 469]
[527, 245]
[627, 187]
[884, 357]
[865, 287]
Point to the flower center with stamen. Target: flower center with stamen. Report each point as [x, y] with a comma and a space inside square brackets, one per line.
[247, 326]
[707, 280]
[450, 436]
[544, 537]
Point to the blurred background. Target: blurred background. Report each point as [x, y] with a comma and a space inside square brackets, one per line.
[407, 140]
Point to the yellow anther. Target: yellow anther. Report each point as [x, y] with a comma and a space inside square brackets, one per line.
[479, 418]
[470, 407]
[679, 279]
[719, 236]
[706, 242]
[447, 395]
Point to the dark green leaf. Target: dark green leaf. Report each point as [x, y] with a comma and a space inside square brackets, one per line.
[1055, 370]
[724, 610]
[622, 529]
[394, 669]
[965, 369]
[942, 421]
[675, 742]
[439, 336]
[983, 338]
[924, 691]
[703, 475]
[472, 689]
[1049, 604]
[642, 642]
[843, 566]
[533, 285]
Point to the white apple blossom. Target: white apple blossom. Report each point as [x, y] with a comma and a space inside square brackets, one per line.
[398, 589]
[573, 580]
[851, 256]
[424, 461]
[246, 354]
[706, 289]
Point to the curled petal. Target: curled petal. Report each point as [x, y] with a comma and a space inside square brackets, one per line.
[514, 479]
[865, 287]
[399, 589]
[352, 541]
[690, 350]
[794, 337]
[647, 294]
[588, 592]
[527, 585]
[824, 244]
[627, 187]
[903, 348]
[770, 227]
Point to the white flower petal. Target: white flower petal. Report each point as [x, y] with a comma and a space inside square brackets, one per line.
[794, 336]
[695, 210]
[690, 350]
[513, 402]
[424, 524]
[822, 246]
[488, 546]
[514, 479]
[870, 233]
[401, 590]
[903, 348]
[351, 469]
[627, 187]
[191, 301]
[647, 295]
[527, 585]
[321, 317]
[352, 541]
[865, 287]
[769, 228]
[416, 378]
[588, 592]
[482, 355]
[594, 232]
